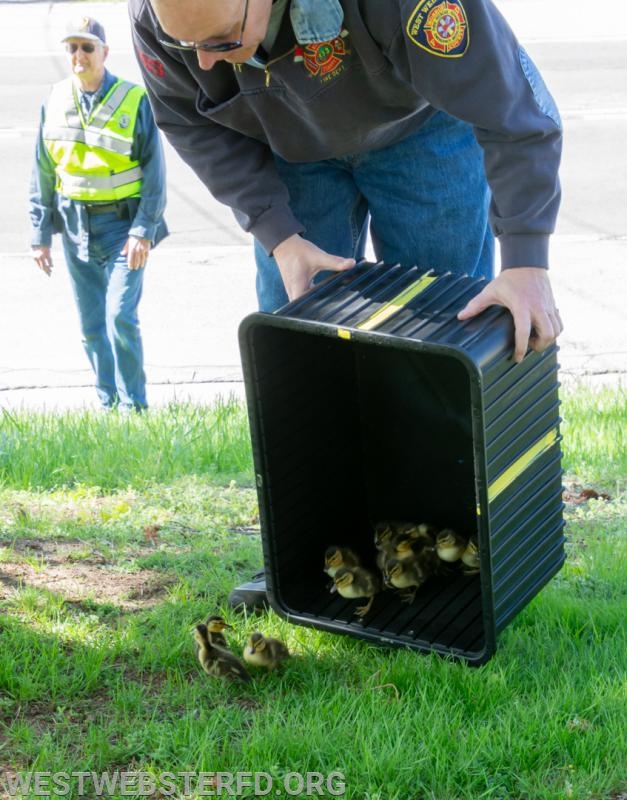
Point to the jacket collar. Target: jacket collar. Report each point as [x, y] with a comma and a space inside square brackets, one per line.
[316, 20]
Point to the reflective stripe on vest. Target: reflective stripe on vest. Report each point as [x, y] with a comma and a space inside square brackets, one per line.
[93, 157]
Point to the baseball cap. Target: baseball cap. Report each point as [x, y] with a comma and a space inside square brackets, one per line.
[85, 28]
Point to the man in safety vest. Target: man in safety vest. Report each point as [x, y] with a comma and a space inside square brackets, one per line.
[99, 180]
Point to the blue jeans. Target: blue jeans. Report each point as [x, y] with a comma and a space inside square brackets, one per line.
[426, 200]
[107, 294]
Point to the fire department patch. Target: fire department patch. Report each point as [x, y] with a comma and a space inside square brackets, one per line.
[324, 59]
[440, 27]
[152, 64]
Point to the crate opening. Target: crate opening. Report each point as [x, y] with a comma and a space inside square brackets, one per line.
[354, 432]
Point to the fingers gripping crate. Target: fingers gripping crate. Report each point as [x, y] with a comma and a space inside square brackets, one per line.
[368, 400]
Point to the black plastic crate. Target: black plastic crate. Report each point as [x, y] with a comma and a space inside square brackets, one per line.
[368, 400]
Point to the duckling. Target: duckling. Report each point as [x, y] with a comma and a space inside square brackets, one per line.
[406, 574]
[408, 548]
[383, 533]
[421, 531]
[450, 545]
[355, 582]
[470, 557]
[400, 539]
[215, 626]
[217, 661]
[336, 557]
[430, 563]
[384, 537]
[264, 651]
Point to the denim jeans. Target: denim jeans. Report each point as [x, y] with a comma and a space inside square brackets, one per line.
[425, 199]
[107, 294]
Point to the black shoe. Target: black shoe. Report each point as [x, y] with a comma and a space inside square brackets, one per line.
[252, 595]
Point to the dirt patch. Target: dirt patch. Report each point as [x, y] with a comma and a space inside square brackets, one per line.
[67, 569]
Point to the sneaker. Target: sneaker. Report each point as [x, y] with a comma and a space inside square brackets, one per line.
[252, 595]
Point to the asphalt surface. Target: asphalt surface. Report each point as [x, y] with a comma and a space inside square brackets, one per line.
[200, 281]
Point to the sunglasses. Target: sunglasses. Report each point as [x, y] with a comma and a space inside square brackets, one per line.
[86, 47]
[219, 47]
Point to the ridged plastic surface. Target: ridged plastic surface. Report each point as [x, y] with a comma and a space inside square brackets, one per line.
[369, 400]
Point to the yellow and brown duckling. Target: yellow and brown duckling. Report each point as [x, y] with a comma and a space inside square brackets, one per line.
[384, 533]
[218, 661]
[264, 651]
[401, 540]
[385, 542]
[422, 531]
[450, 545]
[407, 575]
[408, 548]
[470, 557]
[215, 627]
[336, 557]
[354, 583]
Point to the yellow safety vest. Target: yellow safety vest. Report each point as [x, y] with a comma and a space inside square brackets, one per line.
[93, 156]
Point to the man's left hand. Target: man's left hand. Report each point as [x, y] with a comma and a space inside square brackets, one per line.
[527, 293]
[136, 252]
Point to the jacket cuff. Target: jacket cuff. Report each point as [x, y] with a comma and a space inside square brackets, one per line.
[274, 226]
[524, 250]
[41, 241]
[143, 232]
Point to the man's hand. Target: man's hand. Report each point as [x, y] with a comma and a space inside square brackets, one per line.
[299, 261]
[527, 293]
[43, 259]
[136, 252]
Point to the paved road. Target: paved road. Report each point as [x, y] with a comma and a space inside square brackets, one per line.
[200, 282]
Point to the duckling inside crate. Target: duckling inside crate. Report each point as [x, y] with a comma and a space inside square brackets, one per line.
[431, 602]
[355, 583]
[337, 556]
[406, 562]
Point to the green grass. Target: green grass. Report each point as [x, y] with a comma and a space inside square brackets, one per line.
[595, 434]
[153, 519]
[112, 451]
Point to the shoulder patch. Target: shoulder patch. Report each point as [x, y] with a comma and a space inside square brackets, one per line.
[440, 27]
[153, 65]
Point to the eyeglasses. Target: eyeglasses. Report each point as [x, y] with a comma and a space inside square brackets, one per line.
[86, 47]
[219, 47]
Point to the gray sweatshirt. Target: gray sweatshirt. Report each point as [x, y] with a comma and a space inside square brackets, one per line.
[390, 65]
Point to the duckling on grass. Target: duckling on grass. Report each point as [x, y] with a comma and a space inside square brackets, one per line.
[264, 651]
[215, 627]
[217, 661]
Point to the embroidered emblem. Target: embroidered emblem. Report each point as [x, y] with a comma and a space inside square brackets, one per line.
[324, 59]
[153, 65]
[440, 27]
[124, 121]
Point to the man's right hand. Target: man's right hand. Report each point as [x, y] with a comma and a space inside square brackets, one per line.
[299, 261]
[43, 259]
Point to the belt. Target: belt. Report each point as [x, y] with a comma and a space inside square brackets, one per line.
[121, 209]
